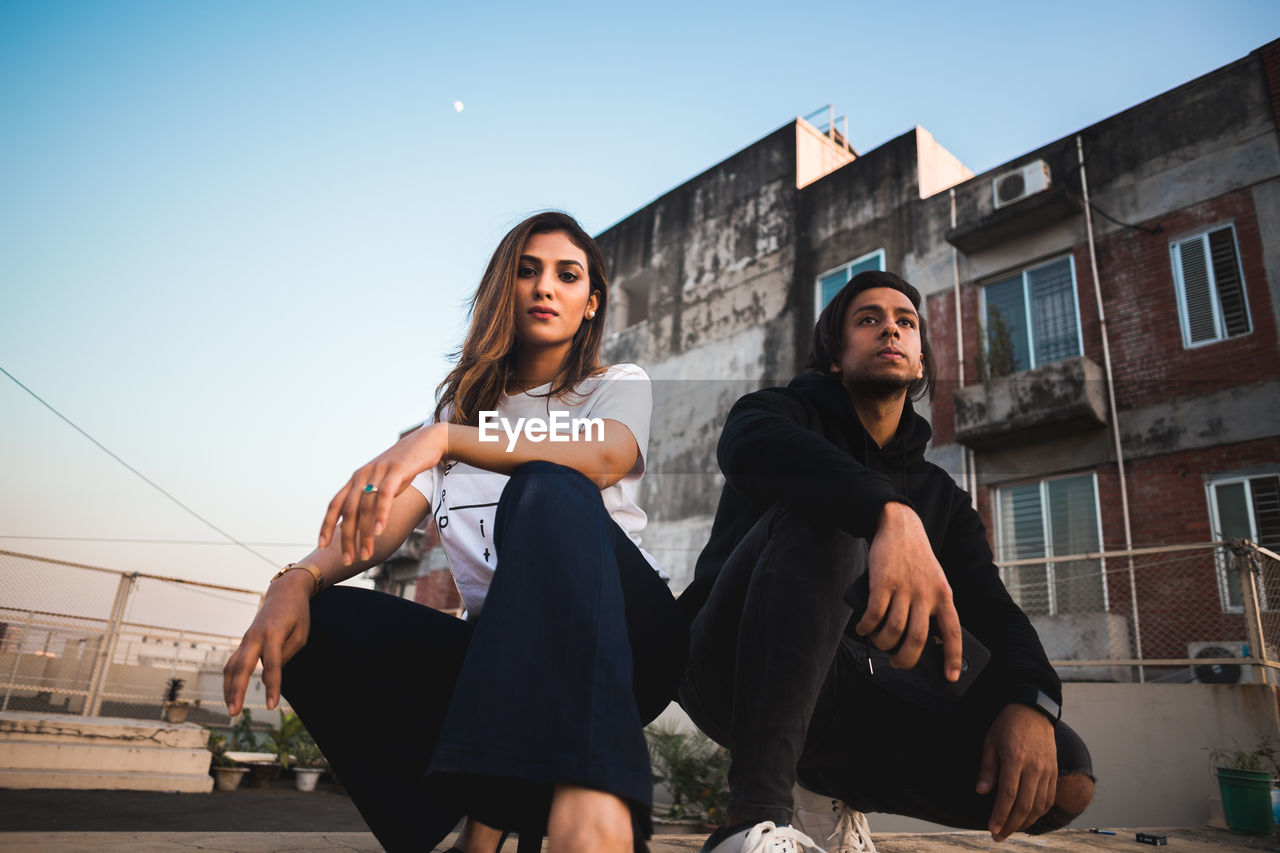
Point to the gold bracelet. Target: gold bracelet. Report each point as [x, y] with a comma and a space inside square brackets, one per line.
[315, 574]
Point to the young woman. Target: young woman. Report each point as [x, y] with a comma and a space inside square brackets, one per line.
[527, 715]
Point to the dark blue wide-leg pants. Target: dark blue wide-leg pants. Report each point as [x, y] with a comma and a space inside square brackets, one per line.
[427, 718]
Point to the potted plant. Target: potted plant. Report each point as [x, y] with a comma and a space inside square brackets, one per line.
[310, 763]
[284, 740]
[243, 739]
[227, 775]
[175, 709]
[695, 771]
[1245, 779]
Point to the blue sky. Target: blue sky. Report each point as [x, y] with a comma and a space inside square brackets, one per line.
[236, 239]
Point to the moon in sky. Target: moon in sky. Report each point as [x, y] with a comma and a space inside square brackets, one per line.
[457, 106]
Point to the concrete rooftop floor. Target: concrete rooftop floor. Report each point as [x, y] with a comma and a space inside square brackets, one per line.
[279, 818]
[1180, 841]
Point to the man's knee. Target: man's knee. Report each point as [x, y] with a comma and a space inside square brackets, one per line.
[811, 543]
[1075, 792]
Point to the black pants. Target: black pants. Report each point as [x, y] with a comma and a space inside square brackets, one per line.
[777, 676]
[427, 718]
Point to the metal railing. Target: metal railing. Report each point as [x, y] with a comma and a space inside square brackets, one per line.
[1207, 612]
[81, 639]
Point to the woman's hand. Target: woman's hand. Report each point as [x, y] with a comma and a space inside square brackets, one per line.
[364, 513]
[277, 633]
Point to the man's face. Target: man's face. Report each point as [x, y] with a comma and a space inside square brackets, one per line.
[881, 354]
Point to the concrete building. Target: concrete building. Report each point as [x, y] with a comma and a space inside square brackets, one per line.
[1040, 405]
[1159, 427]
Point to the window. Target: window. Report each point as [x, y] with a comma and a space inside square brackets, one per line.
[1052, 518]
[1032, 319]
[1211, 303]
[1244, 508]
[830, 282]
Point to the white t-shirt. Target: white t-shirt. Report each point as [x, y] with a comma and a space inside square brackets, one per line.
[464, 499]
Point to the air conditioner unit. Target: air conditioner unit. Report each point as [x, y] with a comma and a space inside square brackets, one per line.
[1219, 673]
[1020, 183]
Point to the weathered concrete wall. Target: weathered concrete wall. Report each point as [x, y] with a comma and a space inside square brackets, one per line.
[1033, 405]
[1213, 417]
[720, 276]
[1266, 201]
[1209, 137]
[816, 155]
[715, 259]
[939, 168]
[1078, 451]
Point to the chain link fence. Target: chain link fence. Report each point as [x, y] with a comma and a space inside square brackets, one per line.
[78, 639]
[1206, 613]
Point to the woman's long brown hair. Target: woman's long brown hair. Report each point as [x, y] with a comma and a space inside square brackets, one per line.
[486, 359]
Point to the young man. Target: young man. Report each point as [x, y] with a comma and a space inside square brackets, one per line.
[825, 480]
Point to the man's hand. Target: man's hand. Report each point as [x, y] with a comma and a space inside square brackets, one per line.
[908, 585]
[1019, 761]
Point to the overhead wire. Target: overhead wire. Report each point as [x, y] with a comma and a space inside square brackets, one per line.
[138, 473]
[155, 541]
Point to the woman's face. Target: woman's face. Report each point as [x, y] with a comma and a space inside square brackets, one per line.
[553, 291]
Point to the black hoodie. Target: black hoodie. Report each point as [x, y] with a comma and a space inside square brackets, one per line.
[804, 446]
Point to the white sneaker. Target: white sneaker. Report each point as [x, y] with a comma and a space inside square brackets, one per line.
[767, 837]
[845, 829]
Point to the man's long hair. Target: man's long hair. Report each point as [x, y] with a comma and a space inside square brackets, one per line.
[486, 359]
[828, 332]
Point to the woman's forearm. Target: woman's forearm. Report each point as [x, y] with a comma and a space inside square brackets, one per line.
[604, 454]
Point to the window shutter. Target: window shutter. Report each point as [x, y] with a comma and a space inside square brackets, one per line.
[1073, 521]
[1265, 492]
[1053, 312]
[1022, 536]
[1226, 277]
[1195, 288]
[830, 285]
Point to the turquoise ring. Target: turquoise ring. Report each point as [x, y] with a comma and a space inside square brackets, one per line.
[370, 489]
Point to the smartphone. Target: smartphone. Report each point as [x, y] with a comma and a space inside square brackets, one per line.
[973, 654]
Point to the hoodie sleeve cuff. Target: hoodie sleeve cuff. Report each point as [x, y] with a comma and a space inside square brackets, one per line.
[1033, 697]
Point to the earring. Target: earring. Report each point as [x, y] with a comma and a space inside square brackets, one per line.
[590, 314]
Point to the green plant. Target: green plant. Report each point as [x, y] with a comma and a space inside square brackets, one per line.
[1262, 758]
[996, 358]
[284, 739]
[243, 738]
[308, 754]
[695, 770]
[218, 746]
[173, 689]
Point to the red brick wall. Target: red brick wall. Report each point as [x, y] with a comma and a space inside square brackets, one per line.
[1149, 362]
[1178, 595]
[1148, 359]
[437, 590]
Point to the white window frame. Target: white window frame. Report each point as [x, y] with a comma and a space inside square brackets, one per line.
[1050, 575]
[1180, 287]
[1026, 308]
[846, 266]
[1220, 563]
